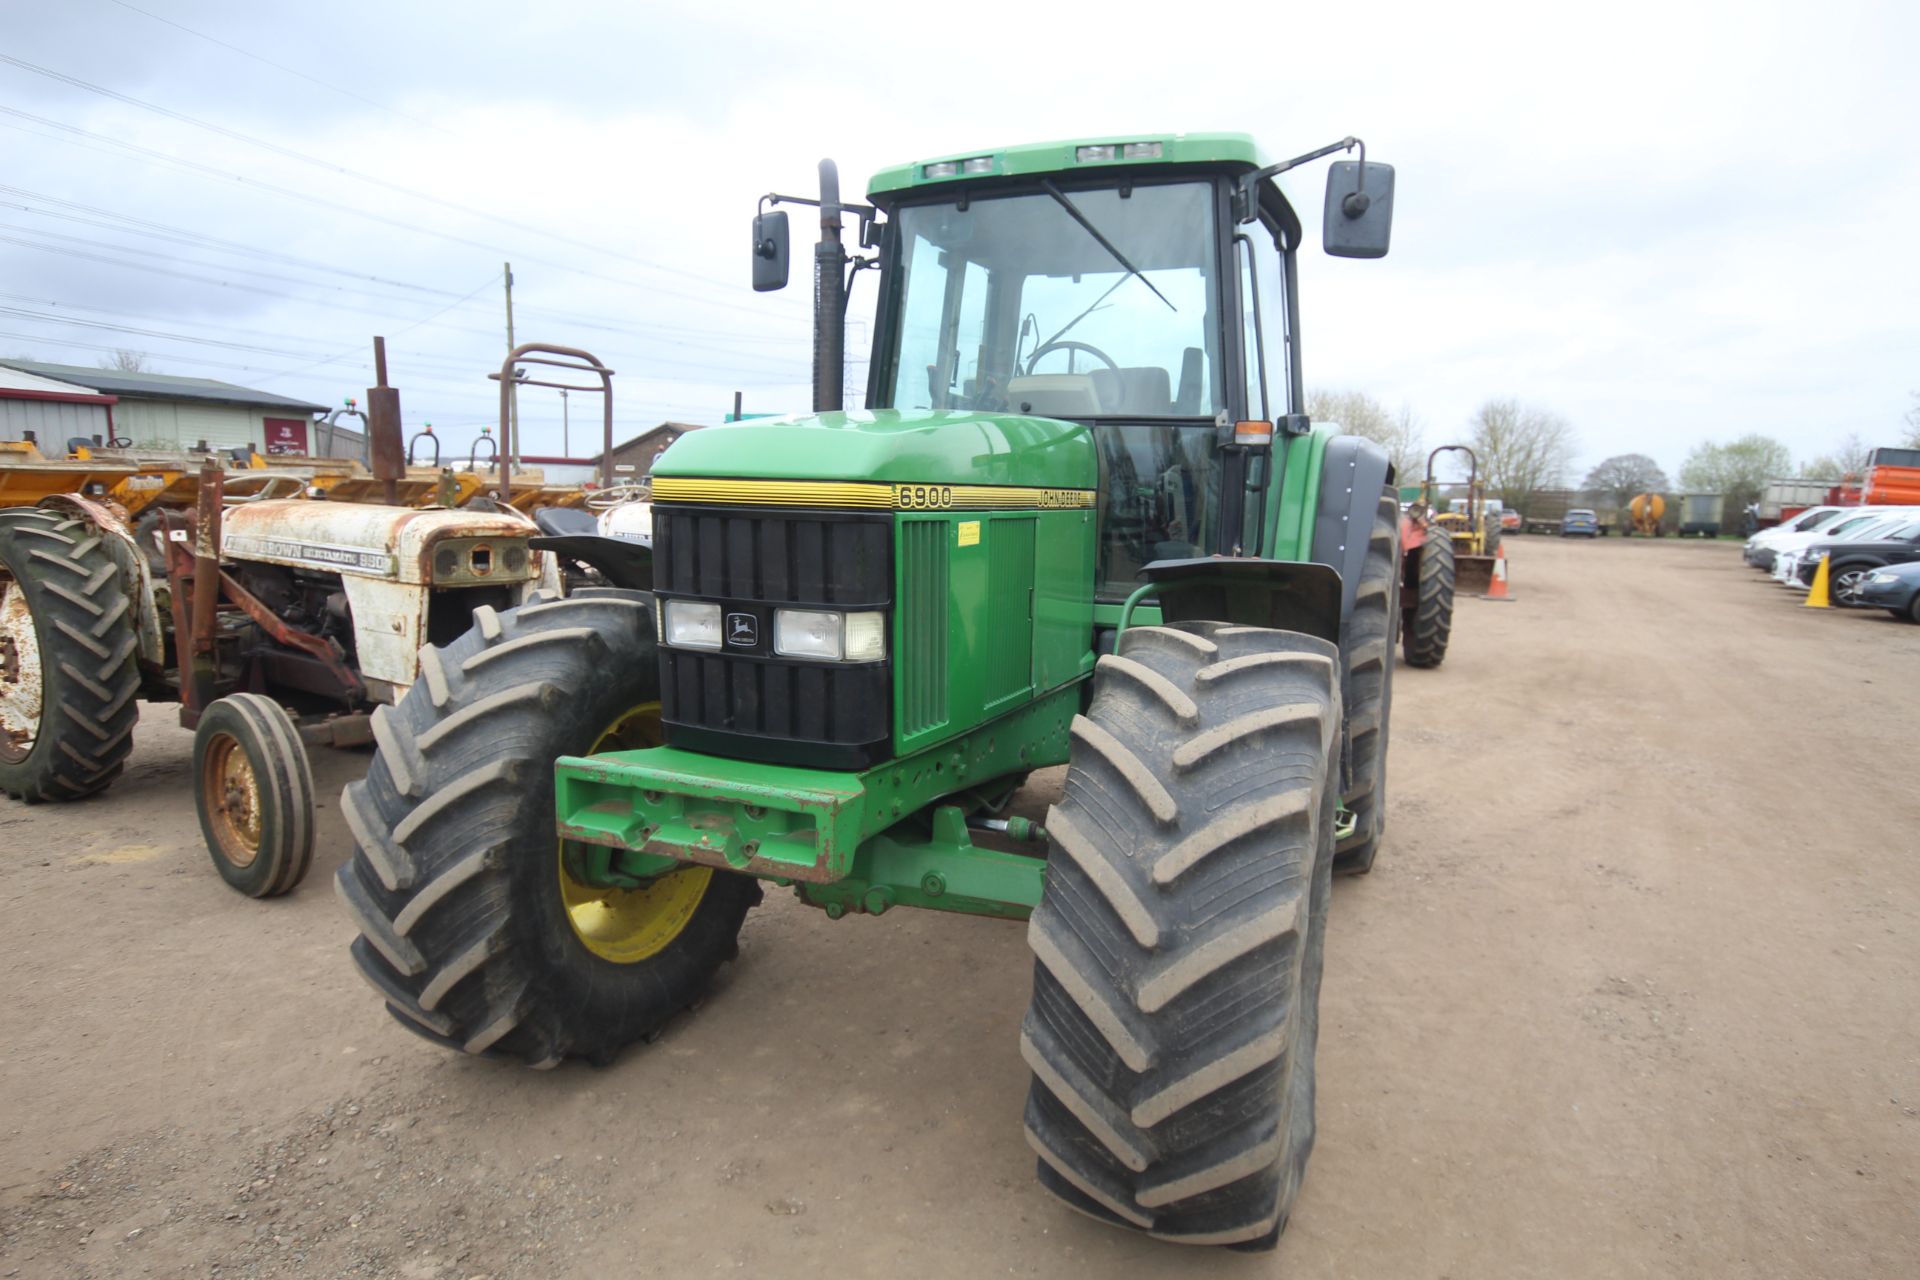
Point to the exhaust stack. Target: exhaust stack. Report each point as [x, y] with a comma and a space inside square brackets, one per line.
[829, 299]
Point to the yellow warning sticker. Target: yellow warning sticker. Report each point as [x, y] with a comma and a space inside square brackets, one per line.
[969, 533]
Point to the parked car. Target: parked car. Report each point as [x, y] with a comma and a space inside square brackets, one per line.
[1581, 523]
[1851, 561]
[1510, 522]
[1759, 550]
[1785, 551]
[1895, 589]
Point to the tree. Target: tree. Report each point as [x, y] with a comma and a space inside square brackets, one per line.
[1626, 475]
[1739, 470]
[1913, 423]
[124, 361]
[1521, 448]
[1356, 411]
[1850, 459]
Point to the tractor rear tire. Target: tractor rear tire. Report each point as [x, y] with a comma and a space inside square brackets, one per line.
[1369, 690]
[68, 673]
[1428, 622]
[469, 927]
[1180, 936]
[254, 793]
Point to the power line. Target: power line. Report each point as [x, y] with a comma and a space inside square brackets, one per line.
[110, 220]
[281, 66]
[344, 171]
[229, 176]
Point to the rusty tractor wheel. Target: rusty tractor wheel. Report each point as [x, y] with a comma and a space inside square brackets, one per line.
[67, 669]
[255, 794]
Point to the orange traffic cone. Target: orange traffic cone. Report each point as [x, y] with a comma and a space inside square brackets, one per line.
[1497, 588]
[1818, 598]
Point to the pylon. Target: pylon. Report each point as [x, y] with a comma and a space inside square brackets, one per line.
[1497, 586]
[1818, 598]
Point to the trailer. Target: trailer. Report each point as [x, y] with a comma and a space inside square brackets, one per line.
[1546, 508]
[1785, 499]
[1700, 513]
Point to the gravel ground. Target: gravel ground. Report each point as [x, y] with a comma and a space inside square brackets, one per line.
[1632, 992]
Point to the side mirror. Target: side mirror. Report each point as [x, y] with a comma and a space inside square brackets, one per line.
[1358, 221]
[770, 251]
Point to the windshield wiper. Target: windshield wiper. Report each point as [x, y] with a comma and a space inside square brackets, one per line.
[1073, 211]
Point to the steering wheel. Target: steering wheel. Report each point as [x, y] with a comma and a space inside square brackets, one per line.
[1071, 344]
[618, 494]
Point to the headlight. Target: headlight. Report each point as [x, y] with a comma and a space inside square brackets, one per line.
[693, 625]
[806, 633]
[1883, 578]
[829, 635]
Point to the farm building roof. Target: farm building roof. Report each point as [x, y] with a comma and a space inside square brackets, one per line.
[162, 386]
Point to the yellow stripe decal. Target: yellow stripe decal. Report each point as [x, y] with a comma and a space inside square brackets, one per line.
[883, 497]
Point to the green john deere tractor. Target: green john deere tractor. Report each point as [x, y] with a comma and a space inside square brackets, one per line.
[1083, 521]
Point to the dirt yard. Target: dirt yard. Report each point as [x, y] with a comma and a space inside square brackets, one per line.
[1633, 992]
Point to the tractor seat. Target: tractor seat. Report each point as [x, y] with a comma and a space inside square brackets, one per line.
[1054, 395]
[560, 522]
[1145, 390]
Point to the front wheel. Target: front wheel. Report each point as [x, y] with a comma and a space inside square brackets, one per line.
[254, 794]
[1179, 938]
[472, 927]
[1846, 580]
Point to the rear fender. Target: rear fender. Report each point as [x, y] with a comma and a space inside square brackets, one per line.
[622, 561]
[134, 570]
[1352, 478]
[1284, 594]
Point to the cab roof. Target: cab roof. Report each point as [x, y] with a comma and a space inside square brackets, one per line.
[1232, 150]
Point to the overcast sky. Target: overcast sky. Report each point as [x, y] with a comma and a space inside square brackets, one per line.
[1668, 222]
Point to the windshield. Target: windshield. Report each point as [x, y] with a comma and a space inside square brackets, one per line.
[1857, 526]
[1014, 303]
[1819, 521]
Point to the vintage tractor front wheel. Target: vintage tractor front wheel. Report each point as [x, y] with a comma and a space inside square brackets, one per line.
[1179, 938]
[254, 794]
[472, 927]
[67, 668]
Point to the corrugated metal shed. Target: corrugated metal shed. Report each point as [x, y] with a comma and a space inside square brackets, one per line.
[164, 386]
[166, 411]
[53, 411]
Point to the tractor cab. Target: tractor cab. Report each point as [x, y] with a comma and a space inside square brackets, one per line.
[1142, 287]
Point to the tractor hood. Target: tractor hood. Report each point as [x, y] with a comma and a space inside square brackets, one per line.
[360, 540]
[885, 447]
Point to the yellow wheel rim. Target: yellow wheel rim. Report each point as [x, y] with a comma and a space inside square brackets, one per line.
[232, 795]
[627, 926]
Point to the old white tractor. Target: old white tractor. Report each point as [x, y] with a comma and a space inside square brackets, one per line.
[274, 624]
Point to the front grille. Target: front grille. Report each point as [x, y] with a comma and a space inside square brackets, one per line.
[923, 626]
[745, 702]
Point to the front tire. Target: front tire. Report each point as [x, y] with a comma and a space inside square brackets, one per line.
[1179, 938]
[254, 794]
[68, 674]
[470, 927]
[1845, 583]
[1428, 620]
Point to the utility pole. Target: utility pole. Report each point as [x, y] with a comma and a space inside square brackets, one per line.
[566, 450]
[513, 404]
